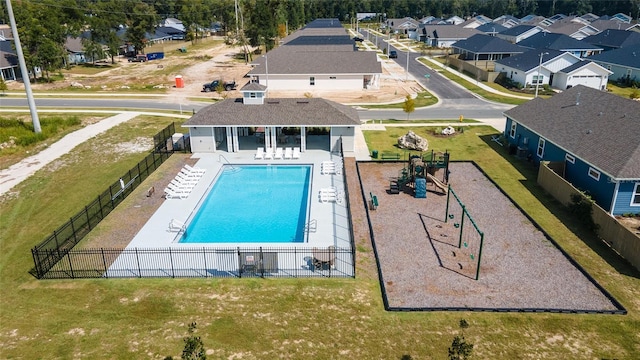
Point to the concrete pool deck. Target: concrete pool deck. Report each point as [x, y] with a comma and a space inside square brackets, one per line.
[329, 223]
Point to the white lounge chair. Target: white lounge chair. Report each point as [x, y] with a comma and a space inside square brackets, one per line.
[278, 154]
[288, 153]
[194, 170]
[178, 189]
[259, 154]
[185, 179]
[268, 154]
[182, 185]
[170, 194]
[296, 153]
[189, 175]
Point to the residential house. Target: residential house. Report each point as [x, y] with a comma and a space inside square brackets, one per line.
[518, 33]
[75, 50]
[584, 72]
[9, 67]
[229, 124]
[485, 47]
[402, 26]
[623, 62]
[475, 21]
[560, 42]
[593, 133]
[491, 28]
[576, 28]
[535, 67]
[508, 21]
[455, 20]
[321, 56]
[614, 39]
[443, 36]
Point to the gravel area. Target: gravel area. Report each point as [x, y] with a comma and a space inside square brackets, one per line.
[422, 266]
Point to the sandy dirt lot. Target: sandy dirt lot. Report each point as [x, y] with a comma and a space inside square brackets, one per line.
[203, 64]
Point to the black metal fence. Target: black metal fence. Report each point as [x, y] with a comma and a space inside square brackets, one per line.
[200, 262]
[54, 247]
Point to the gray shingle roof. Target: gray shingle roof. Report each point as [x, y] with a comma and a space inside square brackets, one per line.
[543, 40]
[602, 129]
[276, 112]
[448, 31]
[628, 56]
[530, 59]
[8, 57]
[289, 61]
[517, 30]
[253, 86]
[485, 44]
[612, 38]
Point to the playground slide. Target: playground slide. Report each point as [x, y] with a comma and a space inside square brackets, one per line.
[438, 183]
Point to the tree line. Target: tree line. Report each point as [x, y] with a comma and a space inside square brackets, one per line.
[44, 25]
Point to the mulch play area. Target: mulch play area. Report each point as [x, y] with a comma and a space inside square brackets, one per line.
[422, 267]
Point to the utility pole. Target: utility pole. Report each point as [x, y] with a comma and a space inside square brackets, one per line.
[25, 74]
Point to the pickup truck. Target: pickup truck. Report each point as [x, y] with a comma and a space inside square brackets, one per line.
[212, 86]
[138, 58]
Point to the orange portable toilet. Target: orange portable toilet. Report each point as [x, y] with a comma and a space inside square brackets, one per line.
[179, 81]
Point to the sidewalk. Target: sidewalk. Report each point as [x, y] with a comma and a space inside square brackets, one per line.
[16, 173]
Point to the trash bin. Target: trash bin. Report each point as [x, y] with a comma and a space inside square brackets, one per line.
[374, 154]
[179, 81]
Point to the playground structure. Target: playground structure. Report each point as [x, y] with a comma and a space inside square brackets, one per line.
[420, 170]
[470, 238]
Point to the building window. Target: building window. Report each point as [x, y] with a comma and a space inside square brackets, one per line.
[540, 151]
[570, 158]
[595, 174]
[512, 132]
[537, 79]
[635, 198]
[253, 95]
[312, 81]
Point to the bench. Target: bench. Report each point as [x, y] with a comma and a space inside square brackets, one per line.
[374, 201]
[390, 157]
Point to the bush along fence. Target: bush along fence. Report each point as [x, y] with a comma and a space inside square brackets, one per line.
[57, 245]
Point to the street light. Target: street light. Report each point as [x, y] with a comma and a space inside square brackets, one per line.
[539, 70]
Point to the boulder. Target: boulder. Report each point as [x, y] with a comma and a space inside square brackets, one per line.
[449, 130]
[412, 141]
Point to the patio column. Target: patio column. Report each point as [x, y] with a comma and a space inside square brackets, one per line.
[267, 137]
[236, 146]
[303, 138]
[229, 140]
[273, 133]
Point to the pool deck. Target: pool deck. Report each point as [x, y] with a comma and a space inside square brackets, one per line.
[329, 220]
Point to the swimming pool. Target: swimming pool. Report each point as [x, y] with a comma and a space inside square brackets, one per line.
[253, 204]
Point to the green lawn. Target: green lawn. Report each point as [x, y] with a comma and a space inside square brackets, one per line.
[424, 98]
[280, 318]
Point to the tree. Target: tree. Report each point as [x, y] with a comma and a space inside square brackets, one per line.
[460, 349]
[409, 105]
[140, 18]
[193, 345]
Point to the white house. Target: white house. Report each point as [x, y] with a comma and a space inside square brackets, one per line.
[585, 73]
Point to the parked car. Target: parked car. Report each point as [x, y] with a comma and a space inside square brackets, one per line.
[212, 86]
[393, 54]
[358, 39]
[138, 58]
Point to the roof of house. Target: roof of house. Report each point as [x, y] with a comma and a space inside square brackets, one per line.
[253, 86]
[276, 112]
[598, 127]
[584, 63]
[530, 60]
[490, 28]
[613, 38]
[5, 32]
[553, 41]
[287, 60]
[8, 58]
[74, 44]
[571, 28]
[603, 24]
[485, 44]
[451, 32]
[517, 30]
[627, 56]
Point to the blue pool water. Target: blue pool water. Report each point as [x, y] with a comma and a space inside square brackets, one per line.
[253, 203]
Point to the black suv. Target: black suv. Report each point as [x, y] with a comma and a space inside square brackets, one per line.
[393, 54]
